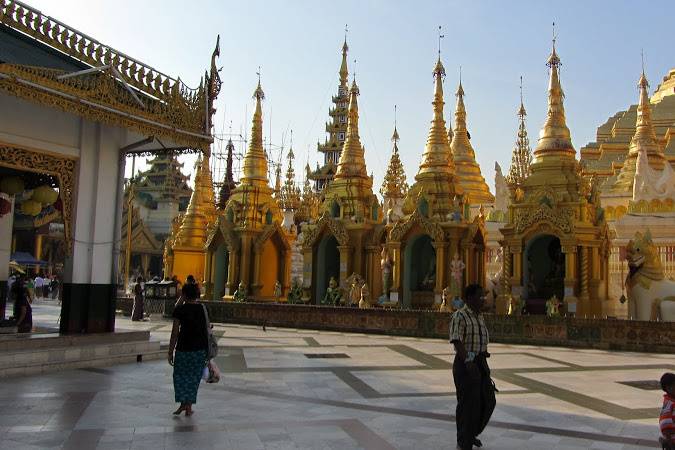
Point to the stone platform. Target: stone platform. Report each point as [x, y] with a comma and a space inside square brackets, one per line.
[29, 354]
[609, 334]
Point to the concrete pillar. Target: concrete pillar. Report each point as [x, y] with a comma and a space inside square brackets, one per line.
[6, 224]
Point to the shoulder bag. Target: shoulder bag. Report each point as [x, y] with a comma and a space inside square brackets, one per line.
[212, 345]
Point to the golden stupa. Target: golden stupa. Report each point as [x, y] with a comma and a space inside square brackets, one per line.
[644, 138]
[466, 168]
[434, 230]
[556, 240]
[249, 231]
[337, 245]
[188, 244]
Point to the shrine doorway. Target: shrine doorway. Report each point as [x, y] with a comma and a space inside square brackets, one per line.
[327, 265]
[543, 272]
[419, 272]
[221, 263]
[270, 267]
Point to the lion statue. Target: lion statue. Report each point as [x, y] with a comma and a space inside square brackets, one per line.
[650, 295]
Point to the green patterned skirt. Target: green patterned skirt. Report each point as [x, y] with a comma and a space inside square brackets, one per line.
[187, 373]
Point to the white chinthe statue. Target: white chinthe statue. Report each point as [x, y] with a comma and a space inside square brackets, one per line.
[650, 295]
[650, 184]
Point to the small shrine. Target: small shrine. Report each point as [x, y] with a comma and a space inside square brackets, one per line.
[556, 241]
[435, 228]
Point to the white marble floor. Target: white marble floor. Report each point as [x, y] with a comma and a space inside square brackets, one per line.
[363, 391]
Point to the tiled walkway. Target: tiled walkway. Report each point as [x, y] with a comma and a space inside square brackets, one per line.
[302, 389]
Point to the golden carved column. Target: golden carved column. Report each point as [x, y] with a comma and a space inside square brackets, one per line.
[502, 306]
[396, 270]
[207, 283]
[255, 279]
[232, 264]
[441, 267]
[38, 246]
[584, 300]
[570, 299]
[245, 260]
[596, 296]
[517, 278]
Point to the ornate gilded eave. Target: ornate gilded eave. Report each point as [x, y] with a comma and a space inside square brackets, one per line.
[117, 89]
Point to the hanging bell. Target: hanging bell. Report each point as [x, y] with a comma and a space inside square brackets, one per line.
[623, 299]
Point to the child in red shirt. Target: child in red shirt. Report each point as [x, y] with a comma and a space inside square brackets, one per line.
[667, 416]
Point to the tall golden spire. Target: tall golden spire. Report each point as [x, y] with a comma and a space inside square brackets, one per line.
[554, 137]
[352, 163]
[352, 185]
[255, 163]
[467, 169]
[643, 139]
[435, 181]
[201, 210]
[252, 199]
[437, 157]
[522, 154]
[344, 73]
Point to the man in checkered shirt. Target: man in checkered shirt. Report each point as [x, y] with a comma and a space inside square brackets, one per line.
[470, 371]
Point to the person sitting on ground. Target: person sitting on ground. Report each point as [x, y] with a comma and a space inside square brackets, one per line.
[23, 312]
[188, 348]
[667, 416]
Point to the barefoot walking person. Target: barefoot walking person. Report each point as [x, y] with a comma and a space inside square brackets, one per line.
[188, 348]
[470, 371]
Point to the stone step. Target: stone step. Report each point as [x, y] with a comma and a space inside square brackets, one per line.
[97, 353]
[36, 341]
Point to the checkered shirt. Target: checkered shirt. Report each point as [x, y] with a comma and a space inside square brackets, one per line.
[469, 328]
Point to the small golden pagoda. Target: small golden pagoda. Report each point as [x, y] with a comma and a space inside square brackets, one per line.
[188, 246]
[337, 244]
[521, 157]
[466, 168]
[248, 239]
[289, 197]
[556, 240]
[423, 244]
[394, 187]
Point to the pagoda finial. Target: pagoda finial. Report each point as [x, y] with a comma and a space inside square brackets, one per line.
[521, 158]
[394, 137]
[255, 163]
[344, 72]
[440, 36]
[352, 162]
[554, 137]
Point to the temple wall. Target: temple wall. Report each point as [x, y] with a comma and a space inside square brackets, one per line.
[88, 273]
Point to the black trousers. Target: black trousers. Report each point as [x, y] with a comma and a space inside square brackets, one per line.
[475, 400]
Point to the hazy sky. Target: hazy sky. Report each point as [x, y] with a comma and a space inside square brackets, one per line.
[297, 44]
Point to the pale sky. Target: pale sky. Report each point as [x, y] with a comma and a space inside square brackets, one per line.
[297, 43]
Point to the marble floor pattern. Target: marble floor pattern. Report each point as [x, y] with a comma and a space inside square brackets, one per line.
[304, 389]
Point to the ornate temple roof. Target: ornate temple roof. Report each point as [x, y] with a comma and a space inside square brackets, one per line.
[467, 169]
[68, 67]
[164, 181]
[435, 180]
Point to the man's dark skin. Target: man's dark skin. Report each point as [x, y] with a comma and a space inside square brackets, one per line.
[476, 304]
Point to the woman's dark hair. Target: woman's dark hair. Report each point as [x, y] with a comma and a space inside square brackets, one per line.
[667, 379]
[190, 291]
[139, 280]
[471, 291]
[190, 279]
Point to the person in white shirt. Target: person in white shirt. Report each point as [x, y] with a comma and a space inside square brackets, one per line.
[39, 283]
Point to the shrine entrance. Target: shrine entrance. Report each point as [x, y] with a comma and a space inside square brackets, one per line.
[544, 272]
[221, 263]
[419, 272]
[271, 267]
[326, 265]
